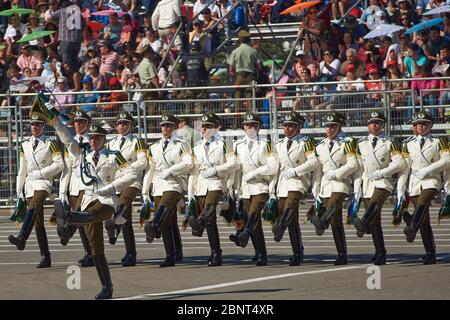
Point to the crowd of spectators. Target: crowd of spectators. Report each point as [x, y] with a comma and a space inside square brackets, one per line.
[114, 44]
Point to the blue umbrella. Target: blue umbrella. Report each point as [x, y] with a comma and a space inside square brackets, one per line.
[425, 25]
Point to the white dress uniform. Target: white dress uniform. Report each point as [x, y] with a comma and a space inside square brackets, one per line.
[434, 155]
[341, 158]
[385, 157]
[177, 158]
[46, 159]
[219, 157]
[109, 162]
[135, 153]
[254, 156]
[302, 158]
[70, 177]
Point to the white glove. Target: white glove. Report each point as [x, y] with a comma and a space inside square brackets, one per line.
[210, 172]
[357, 195]
[248, 176]
[106, 190]
[63, 198]
[376, 175]
[272, 196]
[289, 173]
[330, 175]
[145, 198]
[422, 173]
[165, 174]
[400, 194]
[35, 175]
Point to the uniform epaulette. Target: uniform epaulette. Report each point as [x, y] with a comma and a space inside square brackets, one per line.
[120, 160]
[443, 143]
[363, 139]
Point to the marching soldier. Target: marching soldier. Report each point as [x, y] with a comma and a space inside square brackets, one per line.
[40, 160]
[379, 158]
[208, 183]
[98, 174]
[257, 167]
[71, 189]
[427, 156]
[134, 151]
[297, 157]
[332, 183]
[170, 162]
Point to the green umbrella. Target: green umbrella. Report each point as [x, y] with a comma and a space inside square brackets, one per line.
[2, 47]
[34, 36]
[15, 10]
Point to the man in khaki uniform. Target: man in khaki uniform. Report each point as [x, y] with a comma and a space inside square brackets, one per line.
[256, 169]
[379, 159]
[208, 182]
[71, 189]
[427, 156]
[332, 182]
[40, 160]
[297, 157]
[134, 150]
[169, 164]
[244, 64]
[98, 171]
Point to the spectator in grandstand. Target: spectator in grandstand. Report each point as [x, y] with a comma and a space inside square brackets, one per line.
[150, 39]
[299, 64]
[374, 100]
[127, 37]
[358, 30]
[435, 43]
[69, 31]
[200, 5]
[398, 94]
[167, 13]
[350, 82]
[199, 35]
[334, 37]
[339, 7]
[113, 108]
[405, 8]
[393, 54]
[412, 59]
[88, 99]
[370, 16]
[305, 92]
[314, 28]
[405, 21]
[444, 99]
[351, 59]
[98, 80]
[330, 66]
[63, 102]
[28, 60]
[73, 75]
[213, 33]
[128, 69]
[52, 71]
[421, 88]
[347, 43]
[14, 27]
[109, 59]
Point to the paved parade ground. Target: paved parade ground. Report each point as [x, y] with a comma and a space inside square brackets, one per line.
[404, 276]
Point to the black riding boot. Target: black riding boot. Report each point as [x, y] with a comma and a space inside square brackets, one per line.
[378, 241]
[323, 222]
[279, 227]
[296, 243]
[166, 232]
[248, 230]
[362, 225]
[341, 245]
[416, 222]
[177, 240]
[25, 231]
[428, 242]
[87, 260]
[198, 225]
[214, 243]
[41, 235]
[105, 277]
[260, 248]
[130, 245]
[151, 227]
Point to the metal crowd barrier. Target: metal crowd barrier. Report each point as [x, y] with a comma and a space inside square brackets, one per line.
[271, 101]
